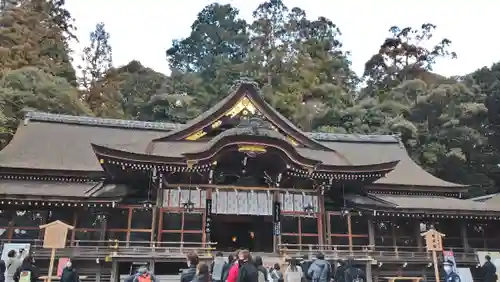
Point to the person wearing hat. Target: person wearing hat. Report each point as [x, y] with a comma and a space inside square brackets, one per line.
[451, 275]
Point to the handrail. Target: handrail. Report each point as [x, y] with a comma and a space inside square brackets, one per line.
[87, 248]
[383, 253]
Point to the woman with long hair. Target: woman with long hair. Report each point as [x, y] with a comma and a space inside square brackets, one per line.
[276, 274]
[248, 271]
[294, 272]
[27, 271]
[227, 267]
[202, 273]
[234, 268]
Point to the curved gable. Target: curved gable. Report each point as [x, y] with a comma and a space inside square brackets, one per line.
[246, 100]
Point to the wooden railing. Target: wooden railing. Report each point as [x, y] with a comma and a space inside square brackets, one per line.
[378, 253]
[164, 250]
[123, 249]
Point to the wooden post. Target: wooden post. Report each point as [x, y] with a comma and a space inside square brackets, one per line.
[434, 243]
[51, 264]
[349, 230]
[54, 238]
[436, 266]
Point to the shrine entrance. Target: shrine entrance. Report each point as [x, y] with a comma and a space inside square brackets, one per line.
[252, 232]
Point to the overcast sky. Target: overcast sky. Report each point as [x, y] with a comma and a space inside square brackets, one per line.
[143, 30]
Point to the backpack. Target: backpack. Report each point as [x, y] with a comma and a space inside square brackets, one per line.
[261, 276]
[25, 276]
[141, 278]
[277, 276]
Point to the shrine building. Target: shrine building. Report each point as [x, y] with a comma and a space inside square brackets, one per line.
[238, 176]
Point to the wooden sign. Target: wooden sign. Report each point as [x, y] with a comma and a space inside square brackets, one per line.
[433, 240]
[55, 234]
[54, 238]
[434, 243]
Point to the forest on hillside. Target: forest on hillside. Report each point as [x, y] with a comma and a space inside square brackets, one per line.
[450, 125]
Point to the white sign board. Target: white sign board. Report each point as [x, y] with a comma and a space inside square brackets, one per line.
[465, 274]
[495, 259]
[7, 247]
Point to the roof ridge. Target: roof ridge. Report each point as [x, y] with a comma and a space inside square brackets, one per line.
[353, 137]
[97, 121]
[167, 126]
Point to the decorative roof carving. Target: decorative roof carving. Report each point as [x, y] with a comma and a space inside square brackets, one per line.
[244, 80]
[255, 125]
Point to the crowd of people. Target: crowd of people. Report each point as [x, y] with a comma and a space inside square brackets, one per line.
[19, 268]
[240, 266]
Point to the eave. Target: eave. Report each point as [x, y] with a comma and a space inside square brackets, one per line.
[435, 213]
[203, 160]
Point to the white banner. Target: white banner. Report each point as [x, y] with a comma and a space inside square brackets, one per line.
[465, 275]
[7, 247]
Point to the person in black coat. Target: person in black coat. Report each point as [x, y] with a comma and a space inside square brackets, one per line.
[451, 275]
[202, 273]
[3, 268]
[192, 261]
[340, 271]
[248, 271]
[305, 264]
[489, 270]
[69, 273]
[260, 267]
[27, 265]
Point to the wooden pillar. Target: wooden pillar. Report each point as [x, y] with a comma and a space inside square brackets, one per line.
[206, 235]
[98, 274]
[371, 232]
[104, 227]
[464, 235]
[276, 221]
[321, 218]
[393, 233]
[129, 226]
[157, 209]
[418, 236]
[115, 274]
[349, 229]
[75, 221]
[368, 271]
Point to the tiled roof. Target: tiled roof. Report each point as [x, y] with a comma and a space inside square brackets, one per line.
[62, 142]
[419, 203]
[45, 188]
[166, 126]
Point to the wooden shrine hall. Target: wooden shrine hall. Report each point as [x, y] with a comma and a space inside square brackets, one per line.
[238, 176]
